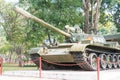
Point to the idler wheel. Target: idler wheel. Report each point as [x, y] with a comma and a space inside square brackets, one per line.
[103, 61]
[114, 61]
[118, 60]
[93, 60]
[109, 60]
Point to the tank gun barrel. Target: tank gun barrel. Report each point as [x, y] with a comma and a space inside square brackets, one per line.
[43, 23]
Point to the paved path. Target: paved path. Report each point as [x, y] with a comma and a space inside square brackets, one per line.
[22, 78]
[61, 75]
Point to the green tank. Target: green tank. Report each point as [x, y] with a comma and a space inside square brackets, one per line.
[80, 50]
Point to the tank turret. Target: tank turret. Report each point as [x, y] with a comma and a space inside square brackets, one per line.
[80, 50]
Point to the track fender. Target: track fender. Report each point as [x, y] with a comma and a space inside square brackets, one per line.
[78, 48]
[37, 50]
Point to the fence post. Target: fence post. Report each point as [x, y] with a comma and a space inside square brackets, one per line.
[40, 67]
[1, 61]
[98, 68]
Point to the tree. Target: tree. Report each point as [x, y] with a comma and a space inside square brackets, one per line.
[116, 15]
[14, 28]
[110, 12]
[107, 10]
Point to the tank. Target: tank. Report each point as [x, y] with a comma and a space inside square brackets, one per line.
[79, 50]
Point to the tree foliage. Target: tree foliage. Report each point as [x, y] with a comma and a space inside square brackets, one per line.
[14, 28]
[110, 12]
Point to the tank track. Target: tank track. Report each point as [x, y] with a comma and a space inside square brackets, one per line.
[84, 63]
[81, 61]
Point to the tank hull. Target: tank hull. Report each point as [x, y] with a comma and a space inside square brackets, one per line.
[63, 58]
[81, 55]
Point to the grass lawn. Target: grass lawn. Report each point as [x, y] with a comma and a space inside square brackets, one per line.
[13, 67]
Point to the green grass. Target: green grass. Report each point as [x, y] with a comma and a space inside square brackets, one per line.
[13, 67]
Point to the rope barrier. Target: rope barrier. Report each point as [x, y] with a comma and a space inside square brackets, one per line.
[59, 64]
[35, 60]
[98, 66]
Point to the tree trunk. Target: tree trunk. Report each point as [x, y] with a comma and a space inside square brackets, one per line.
[97, 16]
[18, 50]
[86, 10]
[91, 19]
[92, 14]
[10, 56]
[20, 61]
[87, 23]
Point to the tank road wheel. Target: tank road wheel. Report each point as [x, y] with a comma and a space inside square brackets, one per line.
[103, 61]
[93, 60]
[118, 60]
[114, 61]
[109, 61]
